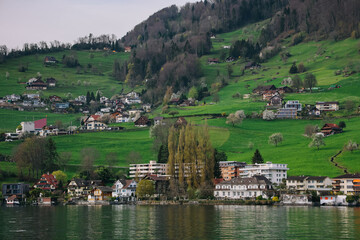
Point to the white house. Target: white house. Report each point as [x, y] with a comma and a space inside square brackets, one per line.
[327, 106]
[124, 188]
[95, 125]
[122, 117]
[301, 184]
[272, 171]
[294, 104]
[240, 188]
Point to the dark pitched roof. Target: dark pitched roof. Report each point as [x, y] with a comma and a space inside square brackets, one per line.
[143, 120]
[155, 177]
[264, 88]
[317, 178]
[297, 178]
[105, 189]
[349, 175]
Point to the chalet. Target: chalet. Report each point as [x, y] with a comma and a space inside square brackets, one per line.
[50, 60]
[294, 104]
[213, 61]
[143, 121]
[36, 85]
[55, 98]
[17, 189]
[262, 89]
[100, 193]
[81, 188]
[181, 121]
[127, 49]
[327, 106]
[161, 183]
[51, 82]
[12, 200]
[275, 101]
[158, 120]
[289, 113]
[266, 95]
[252, 65]
[330, 129]
[241, 188]
[285, 89]
[47, 182]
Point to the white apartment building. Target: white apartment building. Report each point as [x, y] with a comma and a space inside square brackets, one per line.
[141, 170]
[301, 184]
[272, 171]
[327, 106]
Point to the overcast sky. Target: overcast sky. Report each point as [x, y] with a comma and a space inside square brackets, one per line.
[30, 21]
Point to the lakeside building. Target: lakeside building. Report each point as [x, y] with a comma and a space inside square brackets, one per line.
[301, 184]
[124, 189]
[231, 169]
[152, 168]
[240, 188]
[272, 171]
[347, 183]
[81, 188]
[17, 189]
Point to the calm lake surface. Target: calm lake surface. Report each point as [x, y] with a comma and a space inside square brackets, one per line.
[179, 222]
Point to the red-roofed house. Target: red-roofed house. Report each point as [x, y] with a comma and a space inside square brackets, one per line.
[330, 129]
[47, 182]
[39, 124]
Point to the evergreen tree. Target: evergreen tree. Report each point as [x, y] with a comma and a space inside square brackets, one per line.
[293, 68]
[98, 96]
[92, 97]
[163, 154]
[88, 98]
[257, 158]
[218, 157]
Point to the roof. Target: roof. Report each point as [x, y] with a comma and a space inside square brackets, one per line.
[317, 178]
[39, 124]
[50, 180]
[11, 198]
[143, 120]
[349, 175]
[127, 184]
[257, 179]
[52, 80]
[320, 103]
[155, 177]
[297, 178]
[104, 189]
[265, 88]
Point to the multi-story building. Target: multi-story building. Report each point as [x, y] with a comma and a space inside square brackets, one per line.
[231, 169]
[286, 113]
[18, 189]
[347, 183]
[152, 168]
[272, 171]
[301, 184]
[239, 188]
[294, 104]
[327, 106]
[47, 182]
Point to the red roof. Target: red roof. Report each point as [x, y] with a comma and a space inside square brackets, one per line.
[39, 124]
[46, 181]
[95, 117]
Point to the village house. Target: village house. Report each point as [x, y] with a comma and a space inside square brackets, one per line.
[100, 193]
[243, 187]
[50, 60]
[36, 85]
[275, 101]
[252, 65]
[272, 171]
[94, 125]
[122, 117]
[143, 121]
[301, 184]
[47, 182]
[285, 89]
[347, 184]
[312, 110]
[158, 120]
[231, 169]
[213, 61]
[261, 89]
[288, 113]
[267, 95]
[32, 127]
[330, 129]
[31, 96]
[61, 107]
[12, 200]
[146, 107]
[127, 49]
[55, 98]
[161, 184]
[17, 189]
[51, 82]
[143, 169]
[124, 189]
[81, 188]
[327, 106]
[294, 104]
[12, 98]
[81, 99]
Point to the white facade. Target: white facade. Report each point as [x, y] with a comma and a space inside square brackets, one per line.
[240, 188]
[272, 171]
[302, 184]
[294, 104]
[327, 106]
[140, 170]
[27, 127]
[124, 188]
[95, 125]
[335, 200]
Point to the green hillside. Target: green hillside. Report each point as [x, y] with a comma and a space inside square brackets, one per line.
[321, 58]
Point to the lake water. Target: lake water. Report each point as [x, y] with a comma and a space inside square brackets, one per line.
[179, 222]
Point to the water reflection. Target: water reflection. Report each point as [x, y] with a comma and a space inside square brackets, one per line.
[179, 222]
